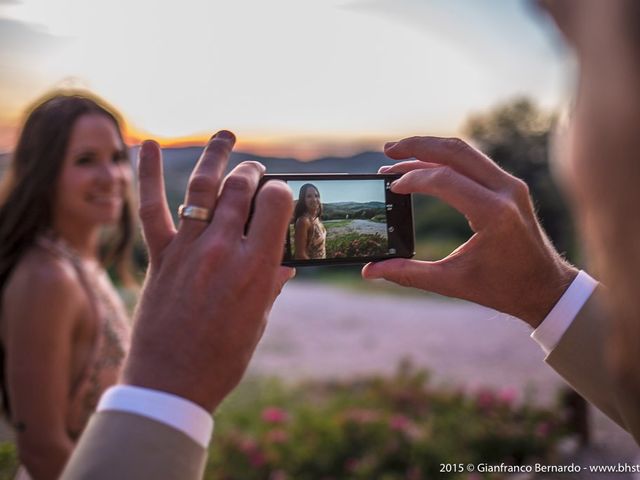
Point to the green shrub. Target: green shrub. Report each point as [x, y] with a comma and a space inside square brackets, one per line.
[383, 428]
[397, 427]
[8, 460]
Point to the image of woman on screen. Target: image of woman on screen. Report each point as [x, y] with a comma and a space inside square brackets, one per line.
[310, 234]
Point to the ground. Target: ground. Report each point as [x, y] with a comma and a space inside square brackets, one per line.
[357, 225]
[322, 331]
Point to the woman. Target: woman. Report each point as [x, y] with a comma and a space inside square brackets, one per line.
[310, 234]
[65, 216]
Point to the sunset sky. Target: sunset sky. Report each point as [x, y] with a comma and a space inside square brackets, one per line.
[299, 77]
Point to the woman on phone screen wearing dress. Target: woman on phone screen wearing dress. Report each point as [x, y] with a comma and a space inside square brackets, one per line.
[310, 234]
[65, 217]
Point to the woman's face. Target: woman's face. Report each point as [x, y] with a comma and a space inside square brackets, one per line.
[312, 200]
[95, 175]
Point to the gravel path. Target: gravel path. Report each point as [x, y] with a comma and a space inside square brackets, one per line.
[326, 332]
[358, 225]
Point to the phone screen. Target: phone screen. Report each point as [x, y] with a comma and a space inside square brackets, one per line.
[338, 219]
[345, 219]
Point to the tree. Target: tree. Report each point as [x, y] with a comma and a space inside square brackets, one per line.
[516, 136]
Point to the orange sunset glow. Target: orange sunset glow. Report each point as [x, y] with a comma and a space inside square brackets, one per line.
[302, 148]
[293, 79]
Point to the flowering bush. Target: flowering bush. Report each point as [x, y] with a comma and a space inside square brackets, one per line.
[374, 428]
[356, 245]
[391, 428]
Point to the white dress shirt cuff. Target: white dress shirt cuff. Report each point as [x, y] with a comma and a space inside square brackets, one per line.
[162, 407]
[552, 328]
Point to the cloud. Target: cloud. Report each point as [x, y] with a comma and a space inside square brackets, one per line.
[19, 38]
[330, 68]
[24, 49]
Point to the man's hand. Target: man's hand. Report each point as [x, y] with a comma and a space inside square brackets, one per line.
[209, 287]
[509, 264]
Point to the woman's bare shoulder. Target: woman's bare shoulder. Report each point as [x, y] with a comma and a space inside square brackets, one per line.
[42, 281]
[303, 221]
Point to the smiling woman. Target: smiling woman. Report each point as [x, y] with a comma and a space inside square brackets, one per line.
[310, 233]
[63, 330]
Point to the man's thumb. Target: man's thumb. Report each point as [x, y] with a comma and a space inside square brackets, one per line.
[409, 273]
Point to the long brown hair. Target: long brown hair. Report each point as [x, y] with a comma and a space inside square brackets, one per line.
[301, 206]
[29, 186]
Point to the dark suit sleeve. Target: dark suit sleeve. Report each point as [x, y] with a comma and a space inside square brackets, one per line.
[127, 446]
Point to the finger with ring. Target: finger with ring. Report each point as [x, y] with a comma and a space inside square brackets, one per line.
[194, 213]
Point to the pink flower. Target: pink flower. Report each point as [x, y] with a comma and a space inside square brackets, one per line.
[361, 415]
[543, 429]
[274, 415]
[406, 426]
[508, 396]
[399, 423]
[250, 448]
[351, 464]
[485, 399]
[277, 436]
[257, 459]
[248, 445]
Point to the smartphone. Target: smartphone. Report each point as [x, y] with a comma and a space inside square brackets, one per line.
[342, 219]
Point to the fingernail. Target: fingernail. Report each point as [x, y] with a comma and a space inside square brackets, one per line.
[225, 135]
[146, 147]
[257, 164]
[390, 145]
[384, 168]
[292, 273]
[370, 271]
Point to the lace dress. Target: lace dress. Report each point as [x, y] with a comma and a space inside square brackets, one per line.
[110, 344]
[316, 241]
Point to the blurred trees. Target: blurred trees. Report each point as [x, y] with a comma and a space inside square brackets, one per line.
[516, 136]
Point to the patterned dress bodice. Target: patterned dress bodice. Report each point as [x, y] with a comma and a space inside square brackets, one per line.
[110, 343]
[316, 241]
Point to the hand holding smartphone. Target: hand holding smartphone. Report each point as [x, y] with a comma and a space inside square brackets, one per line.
[346, 219]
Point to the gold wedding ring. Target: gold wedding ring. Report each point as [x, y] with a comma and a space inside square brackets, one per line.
[194, 213]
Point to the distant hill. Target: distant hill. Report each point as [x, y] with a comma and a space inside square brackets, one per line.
[178, 163]
[181, 161]
[356, 204]
[367, 210]
[178, 159]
